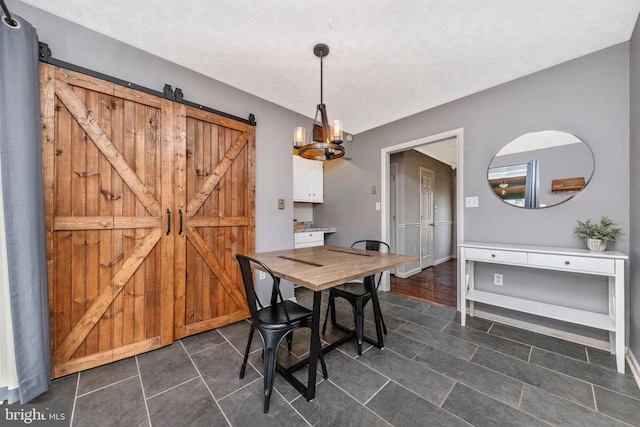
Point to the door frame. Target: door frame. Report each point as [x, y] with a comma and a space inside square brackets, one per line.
[393, 215]
[385, 157]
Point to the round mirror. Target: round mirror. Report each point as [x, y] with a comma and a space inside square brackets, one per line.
[541, 169]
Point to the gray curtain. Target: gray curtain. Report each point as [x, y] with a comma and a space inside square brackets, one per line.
[22, 195]
[533, 185]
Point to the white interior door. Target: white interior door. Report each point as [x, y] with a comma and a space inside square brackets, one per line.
[426, 218]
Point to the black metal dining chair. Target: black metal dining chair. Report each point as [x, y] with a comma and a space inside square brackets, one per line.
[359, 293]
[273, 322]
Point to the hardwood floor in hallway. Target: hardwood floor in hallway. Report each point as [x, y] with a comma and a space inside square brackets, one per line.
[434, 284]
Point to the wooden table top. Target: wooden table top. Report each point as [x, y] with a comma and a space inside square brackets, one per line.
[321, 267]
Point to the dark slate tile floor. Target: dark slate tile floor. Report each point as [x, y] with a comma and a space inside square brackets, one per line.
[432, 372]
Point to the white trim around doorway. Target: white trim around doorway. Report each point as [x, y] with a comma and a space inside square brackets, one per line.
[385, 154]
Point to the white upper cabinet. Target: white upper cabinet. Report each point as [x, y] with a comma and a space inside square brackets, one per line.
[307, 180]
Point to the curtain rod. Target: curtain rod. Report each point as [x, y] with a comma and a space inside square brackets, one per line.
[8, 18]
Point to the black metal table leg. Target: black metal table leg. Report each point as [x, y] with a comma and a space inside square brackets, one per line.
[316, 346]
[376, 309]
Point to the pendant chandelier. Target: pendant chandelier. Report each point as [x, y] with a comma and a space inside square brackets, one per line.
[327, 139]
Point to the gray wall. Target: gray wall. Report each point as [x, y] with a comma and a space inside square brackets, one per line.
[588, 97]
[78, 45]
[408, 197]
[567, 161]
[634, 283]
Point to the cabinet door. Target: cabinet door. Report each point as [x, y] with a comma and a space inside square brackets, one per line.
[301, 179]
[317, 184]
[109, 260]
[307, 180]
[215, 185]
[308, 239]
[308, 245]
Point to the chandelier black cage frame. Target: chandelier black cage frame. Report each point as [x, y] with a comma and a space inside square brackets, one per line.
[329, 146]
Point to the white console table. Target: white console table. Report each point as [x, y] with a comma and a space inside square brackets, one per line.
[608, 263]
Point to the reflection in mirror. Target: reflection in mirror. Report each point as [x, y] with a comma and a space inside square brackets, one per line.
[541, 169]
[510, 183]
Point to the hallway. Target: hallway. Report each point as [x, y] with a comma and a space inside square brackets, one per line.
[434, 284]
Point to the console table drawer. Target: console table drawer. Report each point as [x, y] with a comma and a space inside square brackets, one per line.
[572, 263]
[490, 255]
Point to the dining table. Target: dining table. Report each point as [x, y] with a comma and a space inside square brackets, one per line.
[318, 268]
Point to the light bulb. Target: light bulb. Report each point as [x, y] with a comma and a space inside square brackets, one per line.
[336, 131]
[298, 136]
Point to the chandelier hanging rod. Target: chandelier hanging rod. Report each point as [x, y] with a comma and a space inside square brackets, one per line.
[7, 15]
[319, 50]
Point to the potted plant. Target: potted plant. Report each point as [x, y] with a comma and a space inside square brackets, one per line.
[597, 235]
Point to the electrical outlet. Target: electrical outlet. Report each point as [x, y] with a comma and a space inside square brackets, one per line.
[497, 279]
[262, 275]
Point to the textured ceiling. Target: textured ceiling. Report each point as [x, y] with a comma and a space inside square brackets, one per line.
[388, 59]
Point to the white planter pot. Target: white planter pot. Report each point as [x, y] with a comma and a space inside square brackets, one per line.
[596, 245]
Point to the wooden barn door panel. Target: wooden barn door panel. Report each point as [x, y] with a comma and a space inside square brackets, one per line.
[215, 182]
[102, 160]
[147, 202]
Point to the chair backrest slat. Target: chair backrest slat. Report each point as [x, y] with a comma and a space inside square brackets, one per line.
[373, 245]
[253, 301]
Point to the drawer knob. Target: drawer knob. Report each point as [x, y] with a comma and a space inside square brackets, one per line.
[493, 255]
[567, 262]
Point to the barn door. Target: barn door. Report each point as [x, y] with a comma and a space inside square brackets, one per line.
[215, 183]
[107, 156]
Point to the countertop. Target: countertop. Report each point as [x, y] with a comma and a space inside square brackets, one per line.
[312, 229]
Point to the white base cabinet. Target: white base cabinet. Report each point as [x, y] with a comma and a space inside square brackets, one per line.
[308, 239]
[608, 263]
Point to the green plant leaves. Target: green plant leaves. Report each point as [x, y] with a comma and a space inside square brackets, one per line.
[607, 230]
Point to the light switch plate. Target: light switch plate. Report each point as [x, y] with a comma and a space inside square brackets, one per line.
[280, 203]
[471, 202]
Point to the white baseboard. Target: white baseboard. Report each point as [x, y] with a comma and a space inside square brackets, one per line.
[443, 260]
[545, 330]
[405, 274]
[635, 367]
